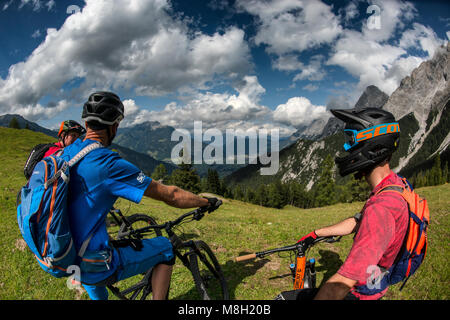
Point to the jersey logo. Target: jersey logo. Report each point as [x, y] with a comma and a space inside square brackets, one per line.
[141, 177]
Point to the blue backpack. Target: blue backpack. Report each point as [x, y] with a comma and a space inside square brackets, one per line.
[42, 214]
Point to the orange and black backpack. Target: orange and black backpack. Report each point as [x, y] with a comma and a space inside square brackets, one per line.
[414, 248]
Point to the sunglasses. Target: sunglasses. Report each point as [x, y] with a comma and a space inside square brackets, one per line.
[353, 137]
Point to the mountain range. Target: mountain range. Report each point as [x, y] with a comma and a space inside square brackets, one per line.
[143, 161]
[421, 105]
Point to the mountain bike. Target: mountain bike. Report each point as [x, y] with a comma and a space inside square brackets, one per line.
[303, 270]
[195, 255]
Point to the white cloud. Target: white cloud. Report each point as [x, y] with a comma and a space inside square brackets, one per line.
[37, 112]
[421, 37]
[350, 11]
[36, 34]
[286, 26]
[393, 14]
[136, 45]
[310, 87]
[230, 111]
[36, 5]
[313, 71]
[298, 112]
[214, 109]
[366, 59]
[368, 56]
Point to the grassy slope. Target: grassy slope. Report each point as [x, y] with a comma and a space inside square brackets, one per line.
[237, 228]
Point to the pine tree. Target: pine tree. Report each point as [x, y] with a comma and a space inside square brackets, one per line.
[160, 173]
[213, 182]
[261, 196]
[325, 188]
[275, 196]
[14, 124]
[298, 194]
[436, 172]
[238, 194]
[186, 178]
[445, 173]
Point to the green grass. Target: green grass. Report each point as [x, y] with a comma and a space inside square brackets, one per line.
[237, 228]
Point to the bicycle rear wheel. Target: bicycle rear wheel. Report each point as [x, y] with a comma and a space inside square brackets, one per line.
[207, 273]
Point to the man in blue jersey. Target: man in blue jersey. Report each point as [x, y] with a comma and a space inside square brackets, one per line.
[96, 182]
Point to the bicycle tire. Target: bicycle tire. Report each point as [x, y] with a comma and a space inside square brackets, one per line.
[211, 284]
[133, 220]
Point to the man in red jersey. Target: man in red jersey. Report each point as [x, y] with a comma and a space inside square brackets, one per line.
[69, 131]
[372, 136]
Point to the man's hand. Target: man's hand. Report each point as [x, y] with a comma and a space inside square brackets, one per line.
[212, 204]
[309, 238]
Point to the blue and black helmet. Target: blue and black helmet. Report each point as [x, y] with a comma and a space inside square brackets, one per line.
[371, 134]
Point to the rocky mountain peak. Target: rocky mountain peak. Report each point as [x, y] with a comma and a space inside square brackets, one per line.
[372, 97]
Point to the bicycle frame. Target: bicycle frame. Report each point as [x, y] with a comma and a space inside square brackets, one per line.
[301, 264]
[177, 243]
[194, 249]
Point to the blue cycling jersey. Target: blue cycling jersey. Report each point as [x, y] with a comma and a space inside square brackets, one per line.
[96, 182]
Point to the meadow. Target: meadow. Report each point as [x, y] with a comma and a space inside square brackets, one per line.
[235, 229]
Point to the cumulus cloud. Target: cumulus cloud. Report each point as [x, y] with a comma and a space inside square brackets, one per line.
[36, 5]
[371, 58]
[155, 54]
[422, 37]
[214, 109]
[230, 111]
[313, 71]
[289, 27]
[39, 112]
[299, 112]
[393, 15]
[285, 26]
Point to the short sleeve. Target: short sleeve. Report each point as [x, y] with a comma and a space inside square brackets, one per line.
[375, 233]
[126, 180]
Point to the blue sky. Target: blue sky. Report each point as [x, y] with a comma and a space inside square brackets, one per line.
[230, 63]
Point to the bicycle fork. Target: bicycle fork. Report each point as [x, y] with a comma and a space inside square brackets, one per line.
[303, 273]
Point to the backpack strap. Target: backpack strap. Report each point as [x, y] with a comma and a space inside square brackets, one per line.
[71, 163]
[392, 187]
[84, 152]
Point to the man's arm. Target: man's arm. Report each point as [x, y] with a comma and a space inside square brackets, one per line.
[342, 228]
[336, 288]
[174, 196]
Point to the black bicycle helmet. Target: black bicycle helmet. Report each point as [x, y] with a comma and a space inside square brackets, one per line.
[372, 135]
[71, 125]
[103, 107]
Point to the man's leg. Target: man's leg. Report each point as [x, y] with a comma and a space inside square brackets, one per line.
[96, 292]
[161, 280]
[156, 253]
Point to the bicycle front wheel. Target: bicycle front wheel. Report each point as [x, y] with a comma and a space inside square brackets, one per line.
[207, 273]
[137, 221]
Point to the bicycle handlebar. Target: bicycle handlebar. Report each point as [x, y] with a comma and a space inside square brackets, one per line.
[300, 246]
[197, 214]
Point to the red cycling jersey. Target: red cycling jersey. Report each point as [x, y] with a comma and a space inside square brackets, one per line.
[380, 235]
[54, 149]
